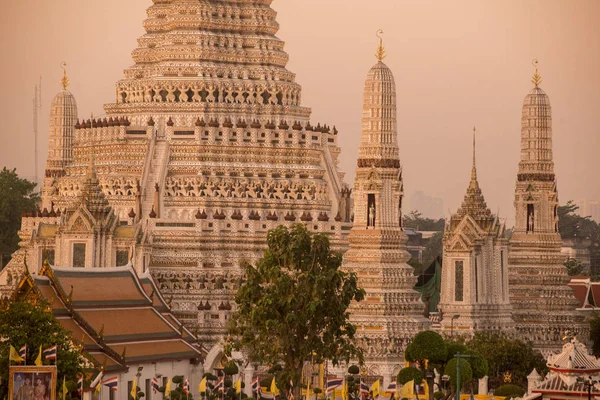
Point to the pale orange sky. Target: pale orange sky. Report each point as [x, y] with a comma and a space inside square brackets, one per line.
[457, 63]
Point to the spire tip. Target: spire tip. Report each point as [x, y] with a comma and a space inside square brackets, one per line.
[381, 53]
[65, 79]
[537, 78]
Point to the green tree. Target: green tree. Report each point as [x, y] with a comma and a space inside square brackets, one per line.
[466, 373]
[507, 355]
[294, 304]
[16, 197]
[595, 332]
[509, 390]
[427, 345]
[415, 220]
[581, 229]
[176, 392]
[574, 267]
[410, 374]
[27, 323]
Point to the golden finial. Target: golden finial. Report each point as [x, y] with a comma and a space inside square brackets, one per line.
[65, 80]
[537, 78]
[381, 54]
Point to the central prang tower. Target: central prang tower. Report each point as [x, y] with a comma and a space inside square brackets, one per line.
[392, 312]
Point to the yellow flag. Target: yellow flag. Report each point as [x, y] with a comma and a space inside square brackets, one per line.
[168, 389]
[14, 356]
[238, 386]
[375, 388]
[64, 388]
[97, 390]
[274, 389]
[133, 392]
[202, 386]
[38, 360]
[345, 390]
[408, 390]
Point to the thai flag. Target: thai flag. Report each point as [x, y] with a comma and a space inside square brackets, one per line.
[364, 388]
[256, 385]
[155, 385]
[23, 352]
[391, 387]
[50, 353]
[112, 383]
[334, 383]
[186, 386]
[219, 386]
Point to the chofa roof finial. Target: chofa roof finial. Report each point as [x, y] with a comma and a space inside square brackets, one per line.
[381, 54]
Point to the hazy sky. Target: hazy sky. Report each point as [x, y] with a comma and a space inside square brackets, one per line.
[457, 63]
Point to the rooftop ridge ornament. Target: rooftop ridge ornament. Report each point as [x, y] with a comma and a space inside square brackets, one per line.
[537, 78]
[65, 79]
[381, 53]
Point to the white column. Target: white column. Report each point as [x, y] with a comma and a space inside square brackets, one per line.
[248, 375]
[483, 385]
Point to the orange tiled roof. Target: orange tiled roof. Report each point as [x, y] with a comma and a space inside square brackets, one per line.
[112, 313]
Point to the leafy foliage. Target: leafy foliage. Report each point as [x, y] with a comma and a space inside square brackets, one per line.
[427, 345]
[294, 305]
[415, 220]
[16, 197]
[595, 332]
[507, 355]
[433, 248]
[584, 229]
[509, 390]
[466, 373]
[409, 374]
[27, 323]
[574, 267]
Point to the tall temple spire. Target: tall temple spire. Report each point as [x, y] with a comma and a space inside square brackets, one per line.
[65, 79]
[537, 78]
[474, 271]
[474, 182]
[538, 277]
[474, 202]
[393, 313]
[381, 53]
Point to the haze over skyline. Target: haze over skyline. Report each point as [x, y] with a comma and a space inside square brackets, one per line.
[457, 65]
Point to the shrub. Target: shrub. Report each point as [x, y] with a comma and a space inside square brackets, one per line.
[354, 370]
[508, 390]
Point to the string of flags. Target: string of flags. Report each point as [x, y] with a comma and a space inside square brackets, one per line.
[20, 356]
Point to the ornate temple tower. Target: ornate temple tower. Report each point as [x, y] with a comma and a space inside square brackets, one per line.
[392, 312]
[542, 303]
[61, 133]
[474, 294]
[207, 146]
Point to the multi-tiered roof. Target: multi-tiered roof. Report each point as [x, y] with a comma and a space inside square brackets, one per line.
[206, 148]
[211, 56]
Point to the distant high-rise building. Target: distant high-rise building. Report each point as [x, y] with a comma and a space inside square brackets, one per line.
[589, 208]
[428, 206]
